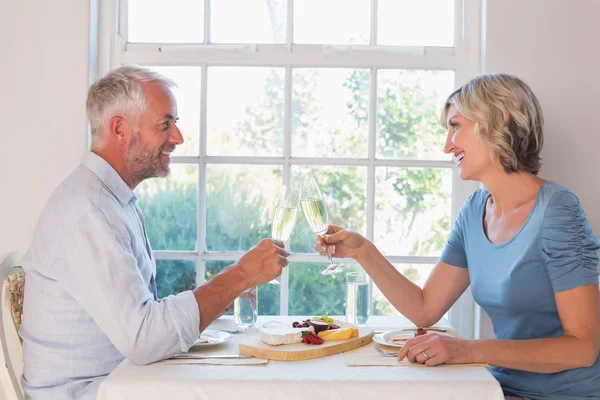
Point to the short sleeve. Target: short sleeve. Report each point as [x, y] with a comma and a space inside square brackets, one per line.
[570, 248]
[454, 252]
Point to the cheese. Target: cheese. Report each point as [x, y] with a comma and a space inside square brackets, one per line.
[338, 334]
[275, 333]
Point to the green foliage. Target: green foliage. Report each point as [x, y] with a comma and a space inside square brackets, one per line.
[174, 276]
[235, 221]
[313, 293]
[170, 211]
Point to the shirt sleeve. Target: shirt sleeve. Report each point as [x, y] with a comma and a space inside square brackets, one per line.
[454, 252]
[569, 247]
[101, 273]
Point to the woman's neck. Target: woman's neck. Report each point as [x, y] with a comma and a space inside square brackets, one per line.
[511, 191]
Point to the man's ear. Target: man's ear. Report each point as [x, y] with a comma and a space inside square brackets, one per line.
[119, 129]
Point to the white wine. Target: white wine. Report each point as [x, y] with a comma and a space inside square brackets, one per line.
[284, 220]
[315, 213]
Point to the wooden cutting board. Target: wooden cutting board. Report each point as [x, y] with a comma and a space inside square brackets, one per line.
[253, 346]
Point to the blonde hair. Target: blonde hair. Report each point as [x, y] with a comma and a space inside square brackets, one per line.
[120, 92]
[508, 119]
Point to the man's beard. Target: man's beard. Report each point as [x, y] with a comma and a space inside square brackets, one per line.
[144, 162]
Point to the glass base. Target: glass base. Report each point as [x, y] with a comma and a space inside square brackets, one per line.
[333, 268]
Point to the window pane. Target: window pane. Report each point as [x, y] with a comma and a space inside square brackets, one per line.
[170, 207]
[332, 21]
[239, 200]
[416, 23]
[268, 295]
[344, 190]
[314, 294]
[409, 103]
[187, 94]
[330, 112]
[248, 21]
[245, 111]
[412, 210]
[166, 21]
[417, 273]
[175, 276]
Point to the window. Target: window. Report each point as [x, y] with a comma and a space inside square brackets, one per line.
[349, 90]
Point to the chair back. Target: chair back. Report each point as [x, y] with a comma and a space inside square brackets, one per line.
[12, 277]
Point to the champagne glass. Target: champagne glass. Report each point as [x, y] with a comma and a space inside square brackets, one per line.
[315, 212]
[285, 213]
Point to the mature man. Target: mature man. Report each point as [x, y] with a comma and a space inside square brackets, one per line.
[90, 292]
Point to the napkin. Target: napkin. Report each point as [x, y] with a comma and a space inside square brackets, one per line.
[231, 347]
[216, 361]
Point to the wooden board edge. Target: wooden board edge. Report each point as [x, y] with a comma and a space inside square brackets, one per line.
[272, 354]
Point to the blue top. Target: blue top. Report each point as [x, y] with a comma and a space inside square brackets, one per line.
[515, 282]
[90, 298]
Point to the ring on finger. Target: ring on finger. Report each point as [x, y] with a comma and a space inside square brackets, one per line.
[425, 355]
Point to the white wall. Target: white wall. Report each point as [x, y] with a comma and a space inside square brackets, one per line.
[43, 85]
[553, 46]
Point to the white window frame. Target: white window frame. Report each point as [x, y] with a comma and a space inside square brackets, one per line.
[110, 49]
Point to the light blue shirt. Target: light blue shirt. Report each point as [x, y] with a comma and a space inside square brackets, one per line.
[515, 282]
[90, 298]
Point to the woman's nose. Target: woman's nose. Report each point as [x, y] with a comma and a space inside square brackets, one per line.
[449, 146]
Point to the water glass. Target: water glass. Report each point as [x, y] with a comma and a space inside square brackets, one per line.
[358, 301]
[245, 309]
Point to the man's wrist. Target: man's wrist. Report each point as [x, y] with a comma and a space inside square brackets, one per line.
[229, 284]
[238, 279]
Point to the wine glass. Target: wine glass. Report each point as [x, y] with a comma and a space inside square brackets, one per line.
[315, 212]
[285, 213]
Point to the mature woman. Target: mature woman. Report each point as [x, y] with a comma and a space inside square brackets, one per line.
[524, 245]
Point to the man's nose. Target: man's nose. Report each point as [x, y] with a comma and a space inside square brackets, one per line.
[177, 137]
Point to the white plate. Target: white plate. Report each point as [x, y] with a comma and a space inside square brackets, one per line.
[213, 338]
[386, 339]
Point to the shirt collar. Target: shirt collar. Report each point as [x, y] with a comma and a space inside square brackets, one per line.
[109, 176]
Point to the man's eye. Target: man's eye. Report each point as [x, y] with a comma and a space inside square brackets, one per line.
[165, 125]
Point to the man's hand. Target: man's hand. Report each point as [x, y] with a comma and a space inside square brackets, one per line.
[259, 265]
[263, 262]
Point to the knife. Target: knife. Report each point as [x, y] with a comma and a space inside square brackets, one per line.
[426, 329]
[196, 356]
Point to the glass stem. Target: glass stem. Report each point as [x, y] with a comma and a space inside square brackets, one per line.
[326, 248]
[329, 255]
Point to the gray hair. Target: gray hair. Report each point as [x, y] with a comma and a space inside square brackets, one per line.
[120, 92]
[508, 119]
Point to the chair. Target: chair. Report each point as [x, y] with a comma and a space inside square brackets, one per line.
[11, 307]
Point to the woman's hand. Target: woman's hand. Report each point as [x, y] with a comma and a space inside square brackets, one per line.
[341, 243]
[433, 349]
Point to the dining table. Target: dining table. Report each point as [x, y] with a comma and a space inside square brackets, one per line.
[339, 376]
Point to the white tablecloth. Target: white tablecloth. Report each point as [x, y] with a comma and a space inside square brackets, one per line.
[324, 378]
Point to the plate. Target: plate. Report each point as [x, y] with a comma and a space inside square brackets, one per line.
[212, 338]
[398, 338]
